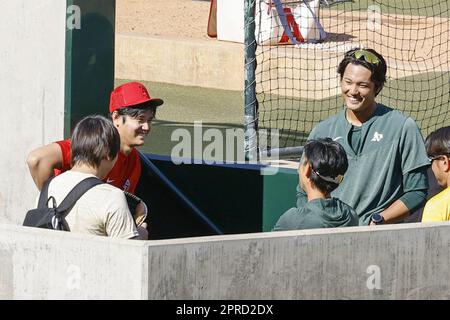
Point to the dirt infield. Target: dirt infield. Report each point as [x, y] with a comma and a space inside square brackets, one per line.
[400, 38]
[177, 18]
[411, 44]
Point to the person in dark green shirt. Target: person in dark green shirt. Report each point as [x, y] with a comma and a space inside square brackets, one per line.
[387, 175]
[321, 170]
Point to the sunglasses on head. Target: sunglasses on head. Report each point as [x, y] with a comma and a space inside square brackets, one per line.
[367, 56]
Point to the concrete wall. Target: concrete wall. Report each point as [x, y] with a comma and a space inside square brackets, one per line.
[385, 262]
[45, 264]
[189, 62]
[32, 89]
[411, 262]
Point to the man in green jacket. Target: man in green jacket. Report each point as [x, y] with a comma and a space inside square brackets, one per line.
[321, 170]
[387, 175]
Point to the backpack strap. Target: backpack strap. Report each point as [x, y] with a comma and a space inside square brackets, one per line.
[44, 194]
[76, 193]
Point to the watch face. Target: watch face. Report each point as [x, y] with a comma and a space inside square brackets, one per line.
[377, 218]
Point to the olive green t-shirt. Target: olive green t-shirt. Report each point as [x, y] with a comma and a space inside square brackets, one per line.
[391, 146]
[318, 213]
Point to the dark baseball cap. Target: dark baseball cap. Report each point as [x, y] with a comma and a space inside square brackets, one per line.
[132, 94]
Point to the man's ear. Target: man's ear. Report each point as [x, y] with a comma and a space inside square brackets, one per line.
[115, 118]
[446, 163]
[307, 170]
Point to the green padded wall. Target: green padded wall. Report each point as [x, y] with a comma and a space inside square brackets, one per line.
[279, 195]
[235, 198]
[89, 61]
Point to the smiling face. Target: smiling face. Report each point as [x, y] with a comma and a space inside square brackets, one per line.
[441, 168]
[358, 90]
[133, 130]
[437, 145]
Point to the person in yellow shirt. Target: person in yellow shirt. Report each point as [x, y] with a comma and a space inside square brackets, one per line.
[438, 150]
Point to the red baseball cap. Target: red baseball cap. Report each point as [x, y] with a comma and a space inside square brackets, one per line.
[132, 94]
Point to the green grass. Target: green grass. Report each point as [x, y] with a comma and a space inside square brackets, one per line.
[424, 97]
[431, 8]
[183, 105]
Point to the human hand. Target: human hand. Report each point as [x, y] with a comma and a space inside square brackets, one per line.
[140, 213]
[137, 207]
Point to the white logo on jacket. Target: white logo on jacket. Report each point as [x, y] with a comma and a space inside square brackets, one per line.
[377, 137]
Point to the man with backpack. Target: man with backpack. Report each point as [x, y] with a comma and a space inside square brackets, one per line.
[132, 111]
[102, 209]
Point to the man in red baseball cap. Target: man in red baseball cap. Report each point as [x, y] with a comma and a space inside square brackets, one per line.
[132, 111]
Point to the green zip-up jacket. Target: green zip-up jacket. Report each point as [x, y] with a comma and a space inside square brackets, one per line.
[318, 213]
[391, 146]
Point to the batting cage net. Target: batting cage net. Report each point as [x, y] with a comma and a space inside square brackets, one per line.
[299, 44]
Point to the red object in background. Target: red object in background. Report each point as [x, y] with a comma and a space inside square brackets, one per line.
[212, 20]
[294, 28]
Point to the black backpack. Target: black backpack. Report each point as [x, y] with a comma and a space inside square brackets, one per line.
[53, 218]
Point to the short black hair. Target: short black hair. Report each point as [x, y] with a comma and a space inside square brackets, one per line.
[94, 139]
[135, 111]
[378, 70]
[327, 158]
[438, 142]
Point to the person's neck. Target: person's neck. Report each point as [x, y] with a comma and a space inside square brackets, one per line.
[314, 193]
[125, 149]
[84, 168]
[448, 181]
[358, 118]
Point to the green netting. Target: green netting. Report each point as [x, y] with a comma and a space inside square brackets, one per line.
[298, 86]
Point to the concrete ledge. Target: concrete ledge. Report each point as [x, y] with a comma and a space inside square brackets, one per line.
[407, 262]
[191, 62]
[45, 264]
[387, 262]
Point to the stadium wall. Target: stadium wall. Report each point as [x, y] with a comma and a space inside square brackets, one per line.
[32, 89]
[48, 63]
[188, 62]
[235, 198]
[384, 262]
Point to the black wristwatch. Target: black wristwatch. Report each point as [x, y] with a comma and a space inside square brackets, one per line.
[377, 218]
